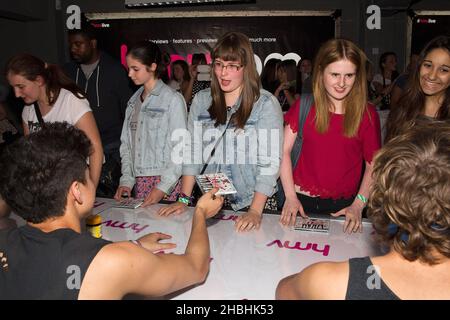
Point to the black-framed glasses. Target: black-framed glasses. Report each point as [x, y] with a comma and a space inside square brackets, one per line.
[232, 67]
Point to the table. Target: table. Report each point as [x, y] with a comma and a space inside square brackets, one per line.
[243, 265]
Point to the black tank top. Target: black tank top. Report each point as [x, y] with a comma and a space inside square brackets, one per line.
[41, 265]
[358, 288]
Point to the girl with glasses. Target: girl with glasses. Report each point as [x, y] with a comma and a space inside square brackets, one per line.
[245, 122]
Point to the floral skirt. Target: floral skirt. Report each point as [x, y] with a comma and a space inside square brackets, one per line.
[144, 186]
[271, 203]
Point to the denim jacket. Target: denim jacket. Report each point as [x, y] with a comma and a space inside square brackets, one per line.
[162, 112]
[250, 157]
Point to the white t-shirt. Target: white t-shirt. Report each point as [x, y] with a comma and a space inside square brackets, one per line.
[67, 108]
[379, 78]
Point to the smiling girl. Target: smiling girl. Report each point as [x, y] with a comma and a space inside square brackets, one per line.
[340, 135]
[153, 113]
[428, 91]
[50, 96]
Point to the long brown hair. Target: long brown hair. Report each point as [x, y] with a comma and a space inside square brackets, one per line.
[30, 67]
[235, 46]
[412, 102]
[355, 104]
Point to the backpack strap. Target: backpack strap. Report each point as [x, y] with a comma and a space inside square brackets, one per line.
[39, 115]
[306, 102]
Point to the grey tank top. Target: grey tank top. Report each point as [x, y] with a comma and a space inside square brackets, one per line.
[362, 282]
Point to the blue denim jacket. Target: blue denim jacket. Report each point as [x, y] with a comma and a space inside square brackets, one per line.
[250, 157]
[162, 112]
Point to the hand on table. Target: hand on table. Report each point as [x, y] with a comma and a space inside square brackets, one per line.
[174, 208]
[121, 191]
[248, 221]
[154, 196]
[289, 212]
[353, 218]
[151, 242]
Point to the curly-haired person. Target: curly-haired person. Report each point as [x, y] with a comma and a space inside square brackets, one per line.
[409, 207]
[48, 185]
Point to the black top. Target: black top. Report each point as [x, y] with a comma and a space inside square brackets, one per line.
[364, 283]
[39, 265]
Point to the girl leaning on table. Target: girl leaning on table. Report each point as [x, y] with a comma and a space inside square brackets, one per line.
[235, 102]
[341, 134]
[50, 96]
[154, 112]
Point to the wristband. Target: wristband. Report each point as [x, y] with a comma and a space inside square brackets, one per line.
[362, 198]
[184, 198]
[136, 242]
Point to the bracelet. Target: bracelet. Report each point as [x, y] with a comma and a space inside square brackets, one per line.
[184, 198]
[137, 242]
[362, 198]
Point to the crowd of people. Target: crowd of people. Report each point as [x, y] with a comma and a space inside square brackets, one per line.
[87, 134]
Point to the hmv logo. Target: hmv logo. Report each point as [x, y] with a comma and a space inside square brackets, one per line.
[136, 227]
[301, 246]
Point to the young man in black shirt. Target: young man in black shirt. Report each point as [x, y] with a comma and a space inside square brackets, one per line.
[48, 184]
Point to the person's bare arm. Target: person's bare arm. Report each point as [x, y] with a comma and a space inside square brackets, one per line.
[292, 205]
[187, 186]
[89, 127]
[252, 218]
[122, 268]
[320, 281]
[353, 213]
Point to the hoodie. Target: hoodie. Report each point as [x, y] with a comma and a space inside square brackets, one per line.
[108, 91]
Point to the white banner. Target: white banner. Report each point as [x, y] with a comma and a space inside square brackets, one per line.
[243, 265]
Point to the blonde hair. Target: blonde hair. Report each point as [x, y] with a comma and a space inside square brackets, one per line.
[355, 103]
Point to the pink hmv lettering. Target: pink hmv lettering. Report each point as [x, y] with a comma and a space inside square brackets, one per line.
[298, 246]
[123, 225]
[226, 217]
